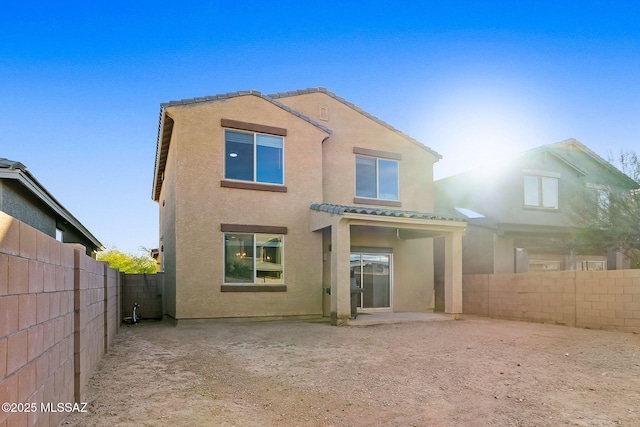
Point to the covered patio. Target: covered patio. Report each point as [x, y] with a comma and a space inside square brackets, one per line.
[341, 223]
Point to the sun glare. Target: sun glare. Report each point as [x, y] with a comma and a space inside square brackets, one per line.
[482, 124]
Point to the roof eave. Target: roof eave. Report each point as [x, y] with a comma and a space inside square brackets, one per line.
[166, 126]
[32, 184]
[402, 220]
[606, 164]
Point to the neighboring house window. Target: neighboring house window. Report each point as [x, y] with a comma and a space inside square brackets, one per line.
[600, 197]
[545, 265]
[253, 258]
[376, 178]
[58, 235]
[254, 157]
[591, 265]
[541, 191]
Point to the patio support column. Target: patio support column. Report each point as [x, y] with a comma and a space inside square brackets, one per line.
[453, 273]
[340, 281]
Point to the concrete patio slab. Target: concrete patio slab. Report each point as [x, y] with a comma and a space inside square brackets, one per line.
[386, 318]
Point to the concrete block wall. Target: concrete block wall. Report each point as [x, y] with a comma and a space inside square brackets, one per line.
[112, 316]
[608, 299]
[475, 294]
[96, 320]
[590, 299]
[146, 290]
[50, 305]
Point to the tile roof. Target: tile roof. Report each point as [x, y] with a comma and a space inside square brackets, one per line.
[244, 93]
[560, 150]
[342, 209]
[354, 107]
[12, 165]
[162, 144]
[567, 144]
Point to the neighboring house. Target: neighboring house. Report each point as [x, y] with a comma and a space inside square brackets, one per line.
[25, 199]
[517, 211]
[274, 205]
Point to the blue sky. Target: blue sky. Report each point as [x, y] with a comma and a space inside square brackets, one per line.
[81, 82]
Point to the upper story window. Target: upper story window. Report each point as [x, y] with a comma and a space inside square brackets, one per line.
[254, 157]
[541, 189]
[377, 174]
[377, 178]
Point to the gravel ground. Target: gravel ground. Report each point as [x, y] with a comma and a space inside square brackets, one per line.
[470, 372]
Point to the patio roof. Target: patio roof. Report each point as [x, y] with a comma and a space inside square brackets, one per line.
[341, 221]
[398, 213]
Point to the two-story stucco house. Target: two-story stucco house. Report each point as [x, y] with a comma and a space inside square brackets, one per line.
[276, 205]
[518, 211]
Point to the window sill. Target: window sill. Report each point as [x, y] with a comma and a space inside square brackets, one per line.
[253, 186]
[541, 209]
[379, 202]
[253, 288]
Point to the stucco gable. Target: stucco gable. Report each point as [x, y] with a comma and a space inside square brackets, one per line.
[328, 93]
[574, 152]
[253, 92]
[560, 150]
[484, 188]
[165, 127]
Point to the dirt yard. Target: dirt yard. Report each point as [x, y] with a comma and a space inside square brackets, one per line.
[470, 372]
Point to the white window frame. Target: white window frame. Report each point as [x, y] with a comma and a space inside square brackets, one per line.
[547, 263]
[255, 156]
[377, 159]
[541, 176]
[587, 264]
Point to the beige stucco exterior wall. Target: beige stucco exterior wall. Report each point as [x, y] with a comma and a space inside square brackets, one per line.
[167, 204]
[193, 205]
[415, 267]
[352, 129]
[326, 271]
[203, 205]
[412, 280]
[412, 272]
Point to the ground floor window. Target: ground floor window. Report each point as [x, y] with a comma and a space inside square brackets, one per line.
[253, 258]
[556, 263]
[589, 265]
[545, 265]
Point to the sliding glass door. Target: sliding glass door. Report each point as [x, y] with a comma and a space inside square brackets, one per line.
[372, 273]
